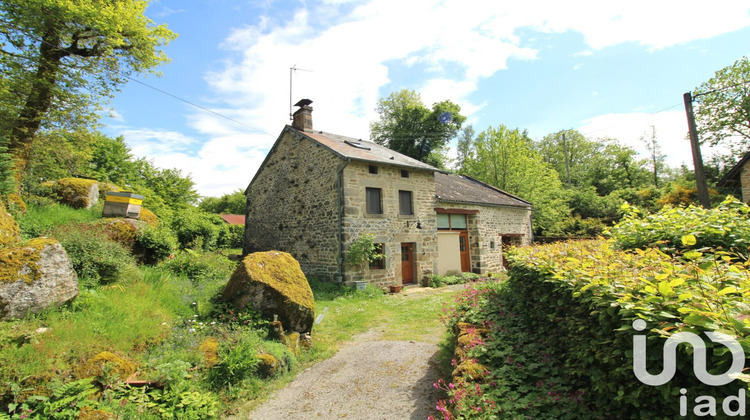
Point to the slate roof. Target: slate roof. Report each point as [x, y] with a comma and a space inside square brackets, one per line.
[364, 150]
[233, 219]
[464, 189]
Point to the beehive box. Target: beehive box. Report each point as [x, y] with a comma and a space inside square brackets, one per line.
[122, 204]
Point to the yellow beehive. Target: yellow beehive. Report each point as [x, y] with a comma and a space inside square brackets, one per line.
[122, 204]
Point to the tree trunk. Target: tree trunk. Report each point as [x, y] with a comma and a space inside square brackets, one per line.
[38, 101]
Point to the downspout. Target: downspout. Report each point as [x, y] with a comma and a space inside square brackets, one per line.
[340, 182]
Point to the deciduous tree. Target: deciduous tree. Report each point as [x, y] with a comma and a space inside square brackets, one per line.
[723, 110]
[505, 158]
[407, 126]
[61, 58]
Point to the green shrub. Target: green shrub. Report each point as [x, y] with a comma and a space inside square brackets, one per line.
[199, 267]
[575, 226]
[581, 299]
[237, 360]
[452, 278]
[197, 230]
[155, 243]
[726, 227]
[231, 236]
[522, 381]
[96, 258]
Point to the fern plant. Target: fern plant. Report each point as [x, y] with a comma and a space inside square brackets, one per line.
[65, 401]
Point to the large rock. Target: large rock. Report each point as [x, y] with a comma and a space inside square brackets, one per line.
[272, 283]
[79, 193]
[34, 276]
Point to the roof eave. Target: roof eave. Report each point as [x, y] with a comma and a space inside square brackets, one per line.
[476, 203]
[734, 172]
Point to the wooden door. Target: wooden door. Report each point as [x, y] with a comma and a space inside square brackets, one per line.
[463, 248]
[407, 263]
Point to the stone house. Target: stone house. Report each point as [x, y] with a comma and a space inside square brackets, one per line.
[739, 174]
[316, 193]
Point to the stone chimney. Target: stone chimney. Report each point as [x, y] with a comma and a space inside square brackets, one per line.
[302, 119]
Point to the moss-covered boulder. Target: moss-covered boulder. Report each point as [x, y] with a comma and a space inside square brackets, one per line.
[272, 284]
[120, 366]
[149, 217]
[34, 276]
[79, 193]
[9, 233]
[121, 230]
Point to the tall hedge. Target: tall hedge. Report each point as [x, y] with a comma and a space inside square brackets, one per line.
[581, 298]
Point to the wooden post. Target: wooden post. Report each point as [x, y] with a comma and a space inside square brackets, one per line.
[700, 175]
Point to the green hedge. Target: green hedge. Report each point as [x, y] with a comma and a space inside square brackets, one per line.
[726, 227]
[581, 298]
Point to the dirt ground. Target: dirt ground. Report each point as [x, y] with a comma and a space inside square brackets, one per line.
[368, 379]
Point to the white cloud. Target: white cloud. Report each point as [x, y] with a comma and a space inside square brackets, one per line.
[457, 43]
[149, 142]
[219, 166]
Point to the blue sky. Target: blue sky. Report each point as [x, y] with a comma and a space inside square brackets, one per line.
[606, 68]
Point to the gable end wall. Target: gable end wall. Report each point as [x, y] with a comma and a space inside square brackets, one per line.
[292, 205]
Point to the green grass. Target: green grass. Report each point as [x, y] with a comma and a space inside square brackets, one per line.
[40, 219]
[161, 319]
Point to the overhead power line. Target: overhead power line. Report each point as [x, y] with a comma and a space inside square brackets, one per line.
[32, 36]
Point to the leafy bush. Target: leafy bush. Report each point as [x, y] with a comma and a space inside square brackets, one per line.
[197, 230]
[237, 360]
[593, 293]
[522, 379]
[575, 226]
[726, 227]
[96, 258]
[450, 279]
[231, 236]
[155, 243]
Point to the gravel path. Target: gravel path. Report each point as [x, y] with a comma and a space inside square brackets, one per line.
[368, 379]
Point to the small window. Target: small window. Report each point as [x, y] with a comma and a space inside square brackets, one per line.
[404, 173]
[405, 203]
[378, 264]
[451, 221]
[373, 202]
[373, 169]
[458, 221]
[443, 221]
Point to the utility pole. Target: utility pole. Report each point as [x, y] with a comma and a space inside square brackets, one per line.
[700, 175]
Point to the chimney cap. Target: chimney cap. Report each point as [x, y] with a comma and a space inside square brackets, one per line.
[303, 102]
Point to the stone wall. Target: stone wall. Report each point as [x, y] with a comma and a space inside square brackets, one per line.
[486, 230]
[292, 205]
[745, 181]
[390, 228]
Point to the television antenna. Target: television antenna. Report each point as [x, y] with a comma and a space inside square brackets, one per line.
[292, 70]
